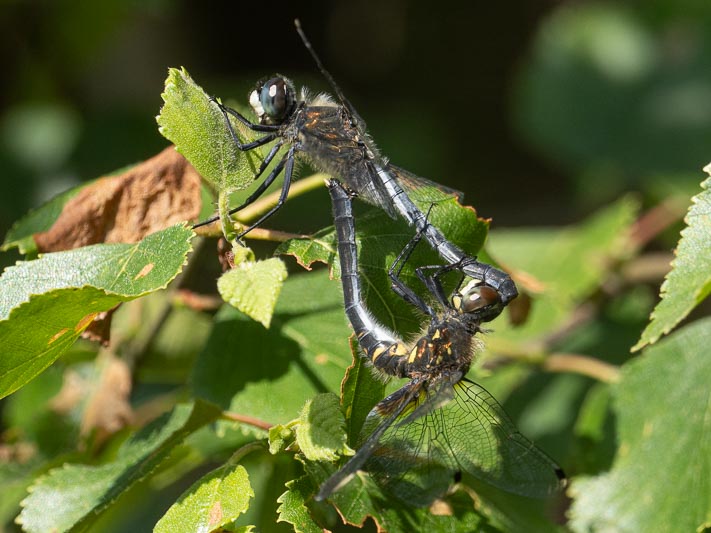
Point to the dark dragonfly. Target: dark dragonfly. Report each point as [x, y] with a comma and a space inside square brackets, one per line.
[333, 137]
[440, 427]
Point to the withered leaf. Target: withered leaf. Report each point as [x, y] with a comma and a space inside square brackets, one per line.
[126, 208]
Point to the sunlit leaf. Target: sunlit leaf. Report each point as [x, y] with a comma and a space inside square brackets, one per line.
[198, 129]
[45, 304]
[321, 433]
[253, 287]
[215, 500]
[293, 509]
[689, 281]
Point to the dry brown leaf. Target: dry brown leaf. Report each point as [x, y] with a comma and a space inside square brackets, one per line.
[105, 400]
[109, 409]
[151, 196]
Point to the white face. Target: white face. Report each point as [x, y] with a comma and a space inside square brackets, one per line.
[256, 104]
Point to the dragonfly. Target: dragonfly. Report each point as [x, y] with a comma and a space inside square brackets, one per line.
[440, 426]
[331, 135]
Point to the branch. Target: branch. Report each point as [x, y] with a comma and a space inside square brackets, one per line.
[263, 205]
[244, 419]
[582, 364]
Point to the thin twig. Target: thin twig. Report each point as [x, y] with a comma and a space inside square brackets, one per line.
[265, 203]
[245, 450]
[580, 316]
[273, 235]
[656, 220]
[582, 364]
[647, 268]
[244, 419]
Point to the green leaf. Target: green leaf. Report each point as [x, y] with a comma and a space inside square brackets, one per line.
[321, 433]
[253, 287]
[14, 480]
[360, 391]
[45, 304]
[689, 281]
[36, 221]
[215, 500]
[321, 248]
[293, 508]
[128, 270]
[660, 477]
[362, 498]
[280, 437]
[198, 129]
[72, 496]
[269, 374]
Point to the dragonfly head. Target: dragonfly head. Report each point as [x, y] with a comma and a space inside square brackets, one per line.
[477, 301]
[273, 100]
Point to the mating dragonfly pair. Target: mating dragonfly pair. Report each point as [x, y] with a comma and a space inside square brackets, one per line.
[440, 426]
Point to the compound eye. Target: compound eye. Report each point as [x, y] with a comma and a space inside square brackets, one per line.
[477, 298]
[276, 99]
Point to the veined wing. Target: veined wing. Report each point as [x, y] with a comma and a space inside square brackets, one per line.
[419, 460]
[397, 405]
[422, 186]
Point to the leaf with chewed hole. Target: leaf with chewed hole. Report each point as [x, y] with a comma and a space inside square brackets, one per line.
[689, 281]
[213, 501]
[45, 304]
[197, 127]
[253, 287]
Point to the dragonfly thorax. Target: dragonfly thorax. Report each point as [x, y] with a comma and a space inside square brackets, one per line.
[447, 347]
[273, 100]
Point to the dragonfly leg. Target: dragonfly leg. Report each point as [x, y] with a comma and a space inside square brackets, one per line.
[287, 163]
[244, 120]
[259, 190]
[399, 286]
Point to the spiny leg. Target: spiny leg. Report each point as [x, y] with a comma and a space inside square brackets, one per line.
[244, 120]
[259, 190]
[399, 286]
[287, 163]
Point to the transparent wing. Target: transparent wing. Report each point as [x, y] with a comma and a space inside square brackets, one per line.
[422, 188]
[419, 460]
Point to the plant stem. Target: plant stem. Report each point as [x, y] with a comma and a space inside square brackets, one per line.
[582, 364]
[245, 450]
[261, 206]
[244, 419]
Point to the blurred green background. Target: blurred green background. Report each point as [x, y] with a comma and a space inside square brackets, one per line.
[539, 111]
